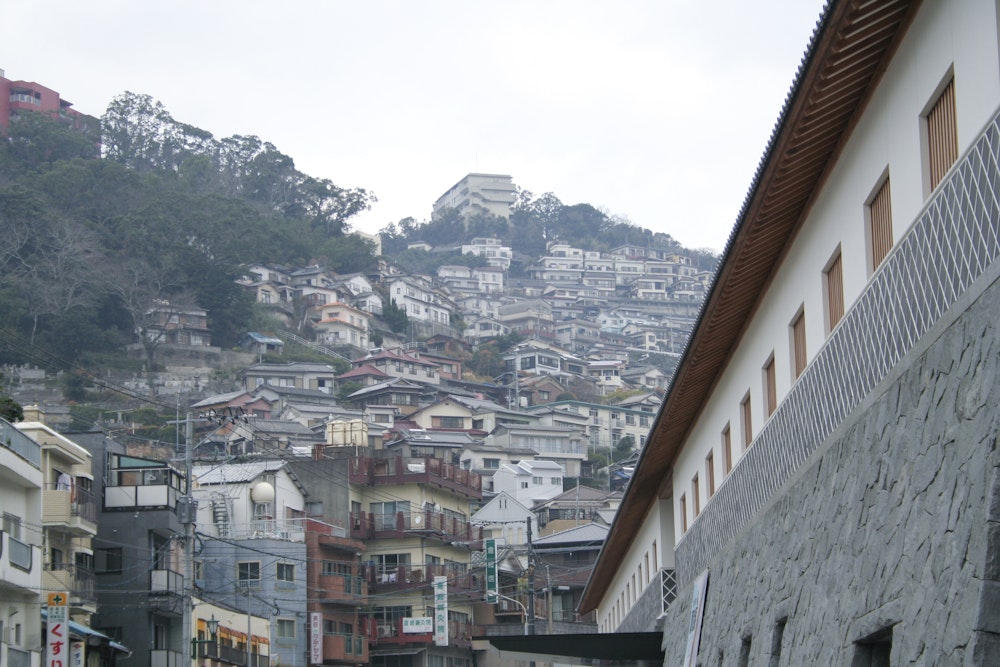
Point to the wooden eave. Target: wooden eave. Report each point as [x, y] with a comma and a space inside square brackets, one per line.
[849, 51]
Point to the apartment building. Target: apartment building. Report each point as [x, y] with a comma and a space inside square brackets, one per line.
[490, 194]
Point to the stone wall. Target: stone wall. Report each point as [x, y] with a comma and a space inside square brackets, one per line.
[892, 524]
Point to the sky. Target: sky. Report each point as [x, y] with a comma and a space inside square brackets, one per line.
[657, 111]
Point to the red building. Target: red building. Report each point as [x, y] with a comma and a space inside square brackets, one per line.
[17, 97]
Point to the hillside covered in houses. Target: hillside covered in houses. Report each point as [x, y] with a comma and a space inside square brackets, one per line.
[192, 334]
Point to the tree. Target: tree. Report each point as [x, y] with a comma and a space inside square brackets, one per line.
[395, 317]
[10, 409]
[36, 140]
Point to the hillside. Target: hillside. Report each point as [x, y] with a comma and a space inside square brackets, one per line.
[170, 213]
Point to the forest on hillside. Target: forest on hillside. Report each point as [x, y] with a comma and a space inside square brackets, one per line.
[98, 229]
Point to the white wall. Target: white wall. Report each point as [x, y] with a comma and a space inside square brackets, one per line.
[945, 37]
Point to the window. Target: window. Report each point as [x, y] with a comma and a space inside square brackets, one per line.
[710, 473]
[727, 450]
[524, 485]
[285, 572]
[108, 561]
[555, 480]
[449, 422]
[684, 514]
[746, 421]
[536, 480]
[12, 525]
[798, 330]
[833, 277]
[776, 641]
[770, 387]
[695, 495]
[248, 574]
[942, 135]
[873, 650]
[491, 464]
[286, 628]
[879, 213]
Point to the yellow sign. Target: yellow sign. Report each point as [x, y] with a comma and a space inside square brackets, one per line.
[58, 599]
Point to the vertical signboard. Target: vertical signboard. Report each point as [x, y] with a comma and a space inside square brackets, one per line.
[77, 654]
[57, 646]
[491, 571]
[440, 611]
[695, 619]
[316, 638]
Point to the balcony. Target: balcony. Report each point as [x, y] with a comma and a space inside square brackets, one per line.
[140, 497]
[73, 509]
[79, 581]
[166, 582]
[18, 658]
[390, 633]
[428, 523]
[292, 530]
[383, 579]
[231, 655]
[20, 444]
[342, 588]
[166, 658]
[416, 470]
[20, 565]
[345, 648]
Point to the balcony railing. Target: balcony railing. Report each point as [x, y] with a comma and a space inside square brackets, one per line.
[74, 508]
[383, 578]
[19, 553]
[652, 604]
[18, 658]
[231, 654]
[154, 496]
[166, 582]
[79, 581]
[345, 647]
[20, 444]
[166, 658]
[426, 523]
[390, 632]
[415, 470]
[292, 530]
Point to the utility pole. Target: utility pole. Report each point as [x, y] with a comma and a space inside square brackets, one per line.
[531, 582]
[188, 515]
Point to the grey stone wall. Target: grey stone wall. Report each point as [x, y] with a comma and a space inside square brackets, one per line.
[893, 522]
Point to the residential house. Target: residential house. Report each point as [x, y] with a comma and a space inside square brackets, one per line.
[485, 460]
[178, 325]
[573, 507]
[493, 250]
[565, 559]
[298, 374]
[566, 446]
[529, 482]
[419, 443]
[140, 571]
[421, 301]
[253, 551]
[399, 364]
[505, 520]
[400, 394]
[831, 424]
[339, 324]
[69, 516]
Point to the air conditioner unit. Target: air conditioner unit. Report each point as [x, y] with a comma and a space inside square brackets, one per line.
[385, 631]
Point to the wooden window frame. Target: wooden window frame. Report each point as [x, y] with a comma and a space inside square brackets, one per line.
[940, 124]
[710, 473]
[727, 449]
[684, 514]
[797, 333]
[833, 290]
[770, 381]
[695, 495]
[746, 421]
[878, 219]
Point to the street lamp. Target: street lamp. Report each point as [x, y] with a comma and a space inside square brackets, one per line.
[519, 604]
[213, 629]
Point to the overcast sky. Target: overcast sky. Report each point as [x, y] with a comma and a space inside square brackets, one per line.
[655, 110]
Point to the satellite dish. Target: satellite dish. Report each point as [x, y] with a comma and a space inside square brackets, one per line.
[418, 519]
